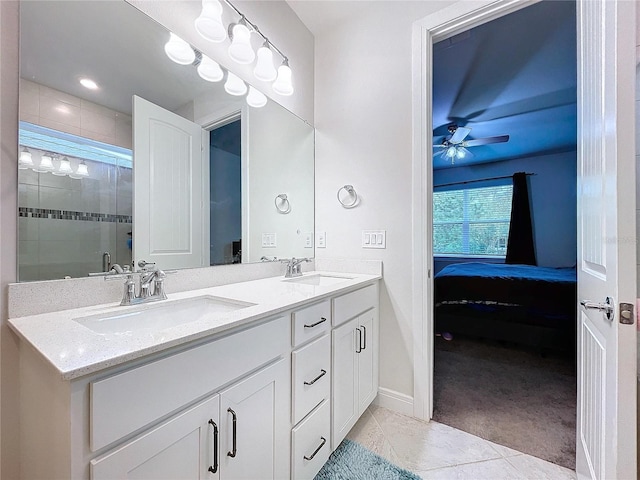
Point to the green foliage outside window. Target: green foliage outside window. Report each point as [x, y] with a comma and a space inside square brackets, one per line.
[472, 221]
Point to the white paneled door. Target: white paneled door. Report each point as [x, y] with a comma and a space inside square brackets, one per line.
[606, 423]
[171, 188]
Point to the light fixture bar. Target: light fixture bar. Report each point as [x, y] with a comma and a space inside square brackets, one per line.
[256, 29]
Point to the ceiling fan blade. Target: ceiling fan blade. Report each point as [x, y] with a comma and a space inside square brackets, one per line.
[440, 146]
[459, 135]
[486, 141]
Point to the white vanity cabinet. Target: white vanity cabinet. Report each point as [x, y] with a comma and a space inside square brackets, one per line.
[240, 433]
[354, 357]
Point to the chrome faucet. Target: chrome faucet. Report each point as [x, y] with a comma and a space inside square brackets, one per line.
[294, 266]
[151, 287]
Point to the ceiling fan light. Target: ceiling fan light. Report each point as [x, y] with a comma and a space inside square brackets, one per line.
[283, 85]
[240, 49]
[264, 69]
[179, 51]
[234, 85]
[256, 98]
[451, 152]
[209, 24]
[460, 153]
[210, 70]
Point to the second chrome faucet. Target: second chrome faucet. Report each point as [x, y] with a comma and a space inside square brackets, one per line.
[151, 285]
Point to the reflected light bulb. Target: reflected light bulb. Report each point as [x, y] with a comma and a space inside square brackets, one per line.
[256, 98]
[283, 85]
[179, 51]
[83, 170]
[209, 70]
[240, 49]
[209, 23]
[64, 168]
[46, 163]
[265, 70]
[25, 160]
[234, 85]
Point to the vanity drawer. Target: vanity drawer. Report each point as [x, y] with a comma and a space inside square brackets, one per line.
[311, 376]
[128, 401]
[311, 322]
[353, 304]
[311, 436]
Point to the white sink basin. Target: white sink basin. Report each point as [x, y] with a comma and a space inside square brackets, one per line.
[161, 316]
[319, 280]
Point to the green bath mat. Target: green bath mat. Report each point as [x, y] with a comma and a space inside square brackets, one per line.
[351, 461]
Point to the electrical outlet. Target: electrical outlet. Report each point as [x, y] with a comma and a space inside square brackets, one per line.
[308, 240]
[374, 239]
[321, 239]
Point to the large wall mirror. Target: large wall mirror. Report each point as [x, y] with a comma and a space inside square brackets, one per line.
[110, 172]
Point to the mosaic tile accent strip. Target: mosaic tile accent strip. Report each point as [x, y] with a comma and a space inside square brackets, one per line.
[72, 215]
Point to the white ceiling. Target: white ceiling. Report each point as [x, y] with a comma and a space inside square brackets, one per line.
[322, 15]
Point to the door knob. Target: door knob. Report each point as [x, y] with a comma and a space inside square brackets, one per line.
[606, 307]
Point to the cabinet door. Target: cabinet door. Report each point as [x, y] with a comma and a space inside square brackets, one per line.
[255, 424]
[181, 448]
[367, 360]
[345, 377]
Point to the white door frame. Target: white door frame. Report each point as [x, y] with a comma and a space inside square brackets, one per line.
[457, 18]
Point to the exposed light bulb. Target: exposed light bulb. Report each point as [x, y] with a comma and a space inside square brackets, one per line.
[209, 70]
[283, 85]
[209, 23]
[46, 164]
[240, 49]
[25, 160]
[256, 98]
[451, 152]
[460, 153]
[264, 69]
[179, 51]
[234, 85]
[64, 168]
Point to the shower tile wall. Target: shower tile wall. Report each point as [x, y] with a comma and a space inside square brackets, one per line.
[50, 248]
[60, 111]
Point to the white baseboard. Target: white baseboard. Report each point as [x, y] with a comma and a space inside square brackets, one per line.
[396, 401]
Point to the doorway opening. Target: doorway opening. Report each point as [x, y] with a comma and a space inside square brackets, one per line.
[504, 101]
[225, 199]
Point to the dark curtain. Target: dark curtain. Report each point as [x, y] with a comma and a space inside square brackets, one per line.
[520, 248]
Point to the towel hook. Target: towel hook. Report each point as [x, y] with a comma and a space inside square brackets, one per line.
[283, 206]
[352, 193]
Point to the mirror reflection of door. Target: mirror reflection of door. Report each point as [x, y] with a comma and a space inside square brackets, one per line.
[171, 188]
[225, 199]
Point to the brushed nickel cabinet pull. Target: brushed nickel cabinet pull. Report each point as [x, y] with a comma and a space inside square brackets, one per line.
[324, 440]
[322, 374]
[214, 468]
[359, 340]
[322, 320]
[234, 450]
[364, 329]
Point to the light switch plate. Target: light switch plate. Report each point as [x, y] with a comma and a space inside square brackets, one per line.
[269, 240]
[374, 239]
[308, 240]
[321, 239]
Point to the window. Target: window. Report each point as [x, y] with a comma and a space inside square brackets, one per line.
[472, 221]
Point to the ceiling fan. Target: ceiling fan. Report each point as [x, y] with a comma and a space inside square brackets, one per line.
[456, 146]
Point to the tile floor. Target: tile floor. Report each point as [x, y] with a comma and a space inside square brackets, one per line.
[436, 451]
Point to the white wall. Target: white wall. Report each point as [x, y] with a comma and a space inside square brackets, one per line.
[9, 427]
[274, 18]
[363, 137]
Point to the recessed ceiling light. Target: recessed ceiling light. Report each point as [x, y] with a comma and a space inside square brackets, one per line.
[88, 83]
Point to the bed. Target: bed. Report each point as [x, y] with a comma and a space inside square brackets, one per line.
[530, 305]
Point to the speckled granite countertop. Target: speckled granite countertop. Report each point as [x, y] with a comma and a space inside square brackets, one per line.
[75, 350]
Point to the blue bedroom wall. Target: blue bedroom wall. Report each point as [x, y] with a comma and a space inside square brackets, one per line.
[552, 193]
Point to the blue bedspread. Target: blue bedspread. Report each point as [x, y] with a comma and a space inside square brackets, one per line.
[540, 292]
[509, 272]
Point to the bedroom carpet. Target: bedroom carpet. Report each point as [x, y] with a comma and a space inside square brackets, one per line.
[510, 396]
